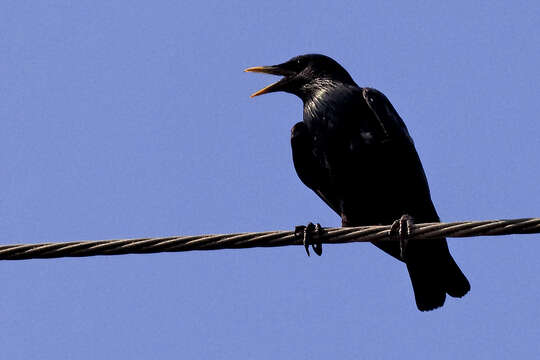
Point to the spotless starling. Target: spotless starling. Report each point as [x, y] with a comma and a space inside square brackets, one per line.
[354, 151]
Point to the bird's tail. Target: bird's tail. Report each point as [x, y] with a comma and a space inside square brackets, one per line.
[434, 273]
[457, 284]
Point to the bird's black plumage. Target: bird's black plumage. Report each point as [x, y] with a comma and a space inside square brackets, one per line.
[354, 151]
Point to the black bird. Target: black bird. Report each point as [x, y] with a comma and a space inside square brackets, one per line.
[354, 151]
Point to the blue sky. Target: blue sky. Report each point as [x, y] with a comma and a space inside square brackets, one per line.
[123, 119]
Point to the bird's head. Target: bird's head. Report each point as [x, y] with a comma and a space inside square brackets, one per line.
[303, 75]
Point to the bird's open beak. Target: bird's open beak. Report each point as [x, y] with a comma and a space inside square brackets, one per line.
[273, 70]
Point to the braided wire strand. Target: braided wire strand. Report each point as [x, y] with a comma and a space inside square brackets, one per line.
[262, 239]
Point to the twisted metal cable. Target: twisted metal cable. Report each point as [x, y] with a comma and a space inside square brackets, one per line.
[262, 239]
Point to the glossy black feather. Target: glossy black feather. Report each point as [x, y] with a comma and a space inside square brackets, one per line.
[354, 151]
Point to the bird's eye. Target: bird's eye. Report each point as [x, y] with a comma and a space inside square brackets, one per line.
[296, 64]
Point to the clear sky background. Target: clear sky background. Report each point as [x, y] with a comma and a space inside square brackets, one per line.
[132, 119]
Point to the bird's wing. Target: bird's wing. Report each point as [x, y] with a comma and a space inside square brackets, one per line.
[432, 269]
[309, 169]
[391, 123]
[401, 155]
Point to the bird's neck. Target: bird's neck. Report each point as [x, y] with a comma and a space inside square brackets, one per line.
[318, 89]
[326, 99]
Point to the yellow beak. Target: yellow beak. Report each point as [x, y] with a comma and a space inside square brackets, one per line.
[273, 70]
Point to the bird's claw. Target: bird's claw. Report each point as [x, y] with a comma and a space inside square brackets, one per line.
[306, 233]
[402, 230]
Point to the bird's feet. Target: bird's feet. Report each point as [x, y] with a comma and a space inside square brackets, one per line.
[306, 233]
[402, 230]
